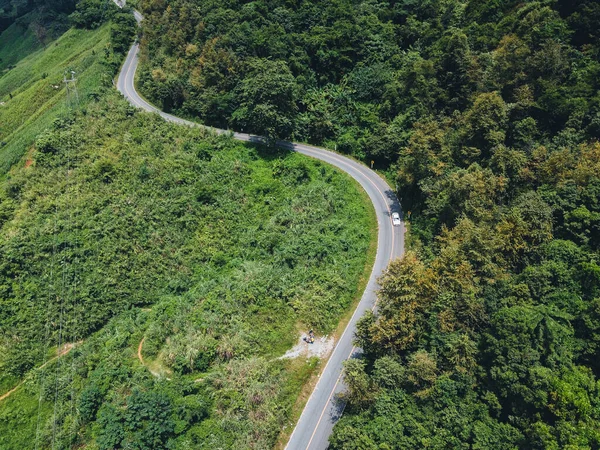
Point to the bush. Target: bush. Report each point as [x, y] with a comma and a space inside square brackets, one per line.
[89, 402]
[122, 31]
[48, 143]
[91, 14]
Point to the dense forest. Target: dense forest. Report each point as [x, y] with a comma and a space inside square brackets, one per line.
[486, 114]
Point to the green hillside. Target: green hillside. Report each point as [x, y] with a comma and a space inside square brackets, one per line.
[33, 92]
[177, 266]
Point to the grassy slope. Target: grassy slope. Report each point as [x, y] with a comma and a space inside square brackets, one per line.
[16, 42]
[233, 245]
[36, 103]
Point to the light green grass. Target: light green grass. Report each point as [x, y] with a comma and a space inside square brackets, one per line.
[36, 101]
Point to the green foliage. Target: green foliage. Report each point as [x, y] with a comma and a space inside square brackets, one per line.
[46, 19]
[487, 332]
[32, 91]
[357, 381]
[17, 42]
[148, 422]
[358, 66]
[122, 30]
[89, 402]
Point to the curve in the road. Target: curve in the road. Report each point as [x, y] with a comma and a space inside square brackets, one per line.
[323, 408]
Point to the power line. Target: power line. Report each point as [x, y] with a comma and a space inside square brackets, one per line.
[51, 297]
[68, 285]
[74, 272]
[72, 103]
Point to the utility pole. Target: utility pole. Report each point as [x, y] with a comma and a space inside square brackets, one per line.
[71, 87]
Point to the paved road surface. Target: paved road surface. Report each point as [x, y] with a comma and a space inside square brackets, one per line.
[323, 408]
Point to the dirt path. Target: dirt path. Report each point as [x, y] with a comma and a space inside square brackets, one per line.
[3, 396]
[321, 348]
[62, 352]
[141, 358]
[140, 351]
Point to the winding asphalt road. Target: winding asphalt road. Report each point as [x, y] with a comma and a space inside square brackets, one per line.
[323, 408]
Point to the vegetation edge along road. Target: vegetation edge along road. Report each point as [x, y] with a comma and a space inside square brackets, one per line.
[323, 407]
